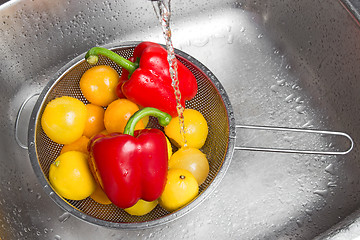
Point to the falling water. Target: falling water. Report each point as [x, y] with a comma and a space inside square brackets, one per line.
[162, 10]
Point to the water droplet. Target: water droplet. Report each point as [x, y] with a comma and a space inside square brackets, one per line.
[242, 29]
[332, 184]
[200, 42]
[330, 169]
[281, 82]
[322, 192]
[230, 39]
[307, 124]
[295, 87]
[274, 88]
[300, 223]
[57, 237]
[308, 212]
[299, 100]
[300, 109]
[289, 98]
[219, 35]
[260, 35]
[63, 217]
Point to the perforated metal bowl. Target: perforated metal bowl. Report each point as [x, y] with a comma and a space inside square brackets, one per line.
[211, 100]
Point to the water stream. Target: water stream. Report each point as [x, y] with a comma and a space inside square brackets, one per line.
[163, 11]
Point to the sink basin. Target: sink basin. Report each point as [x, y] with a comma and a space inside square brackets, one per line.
[282, 63]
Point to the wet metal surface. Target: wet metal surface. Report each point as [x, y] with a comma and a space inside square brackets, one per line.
[282, 63]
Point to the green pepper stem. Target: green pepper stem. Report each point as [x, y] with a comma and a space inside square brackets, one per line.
[164, 118]
[92, 57]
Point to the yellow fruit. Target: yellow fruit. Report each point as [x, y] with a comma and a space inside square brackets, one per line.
[118, 113]
[196, 129]
[63, 119]
[181, 187]
[193, 160]
[70, 176]
[95, 120]
[79, 145]
[142, 207]
[98, 84]
[169, 148]
[100, 196]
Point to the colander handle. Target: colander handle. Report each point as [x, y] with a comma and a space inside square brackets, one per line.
[296, 130]
[17, 120]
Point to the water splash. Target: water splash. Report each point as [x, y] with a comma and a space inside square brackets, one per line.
[163, 11]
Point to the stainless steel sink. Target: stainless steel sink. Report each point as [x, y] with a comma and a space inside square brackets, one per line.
[282, 63]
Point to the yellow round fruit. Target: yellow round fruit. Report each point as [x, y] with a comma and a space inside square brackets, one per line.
[95, 120]
[70, 176]
[63, 119]
[169, 148]
[193, 160]
[181, 187]
[100, 196]
[118, 113]
[79, 145]
[142, 207]
[196, 129]
[98, 84]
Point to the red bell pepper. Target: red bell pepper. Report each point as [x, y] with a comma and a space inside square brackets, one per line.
[146, 78]
[132, 165]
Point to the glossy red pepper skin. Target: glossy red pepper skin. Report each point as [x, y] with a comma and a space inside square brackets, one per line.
[131, 167]
[124, 77]
[150, 85]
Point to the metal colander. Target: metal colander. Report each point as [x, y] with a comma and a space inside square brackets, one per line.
[211, 100]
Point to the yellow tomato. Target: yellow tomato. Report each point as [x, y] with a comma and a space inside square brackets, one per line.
[142, 207]
[196, 129]
[100, 196]
[193, 160]
[118, 113]
[169, 148]
[63, 119]
[79, 145]
[98, 84]
[95, 121]
[181, 187]
[70, 176]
